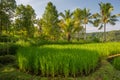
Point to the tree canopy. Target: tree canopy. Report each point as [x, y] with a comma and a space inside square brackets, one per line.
[50, 19]
[7, 8]
[25, 17]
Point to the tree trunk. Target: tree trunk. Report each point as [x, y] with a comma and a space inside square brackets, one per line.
[85, 33]
[104, 32]
[78, 36]
[68, 37]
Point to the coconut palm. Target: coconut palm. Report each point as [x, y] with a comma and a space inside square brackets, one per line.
[86, 15]
[67, 23]
[77, 16]
[105, 17]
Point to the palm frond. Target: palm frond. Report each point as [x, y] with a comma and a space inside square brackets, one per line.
[96, 15]
[96, 22]
[113, 19]
[112, 22]
[100, 27]
[62, 15]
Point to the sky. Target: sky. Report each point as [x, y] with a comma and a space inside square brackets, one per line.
[61, 5]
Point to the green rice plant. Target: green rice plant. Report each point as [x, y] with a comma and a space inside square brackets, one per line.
[116, 63]
[64, 60]
[42, 66]
[55, 61]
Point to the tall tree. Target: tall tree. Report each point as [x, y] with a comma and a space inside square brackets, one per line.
[77, 16]
[7, 8]
[67, 23]
[86, 15]
[50, 27]
[25, 18]
[105, 16]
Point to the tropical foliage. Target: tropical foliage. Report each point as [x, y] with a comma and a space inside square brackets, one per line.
[52, 26]
[67, 23]
[105, 16]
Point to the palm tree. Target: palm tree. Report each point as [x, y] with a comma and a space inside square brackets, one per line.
[86, 15]
[67, 23]
[105, 17]
[77, 16]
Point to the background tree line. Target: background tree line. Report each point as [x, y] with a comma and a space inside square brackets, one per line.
[20, 21]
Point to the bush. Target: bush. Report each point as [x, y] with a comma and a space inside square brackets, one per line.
[3, 49]
[8, 49]
[7, 38]
[4, 38]
[7, 59]
[95, 39]
[23, 43]
[13, 49]
[1, 65]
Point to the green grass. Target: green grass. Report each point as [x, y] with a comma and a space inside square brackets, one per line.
[65, 60]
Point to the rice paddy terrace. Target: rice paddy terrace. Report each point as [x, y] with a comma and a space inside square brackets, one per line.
[70, 60]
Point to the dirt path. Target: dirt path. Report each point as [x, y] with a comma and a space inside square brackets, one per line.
[113, 56]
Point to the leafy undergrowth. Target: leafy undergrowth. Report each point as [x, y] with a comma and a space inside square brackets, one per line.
[105, 72]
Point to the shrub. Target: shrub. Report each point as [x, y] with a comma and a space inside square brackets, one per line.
[8, 38]
[23, 43]
[4, 38]
[7, 59]
[13, 49]
[8, 49]
[1, 65]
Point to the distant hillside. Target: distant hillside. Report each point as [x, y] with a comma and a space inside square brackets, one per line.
[111, 35]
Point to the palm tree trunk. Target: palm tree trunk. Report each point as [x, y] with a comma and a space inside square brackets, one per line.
[78, 36]
[68, 37]
[85, 33]
[104, 32]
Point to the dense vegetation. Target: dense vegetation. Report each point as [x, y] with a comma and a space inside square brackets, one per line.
[111, 36]
[53, 26]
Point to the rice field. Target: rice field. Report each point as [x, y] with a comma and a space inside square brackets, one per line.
[64, 60]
